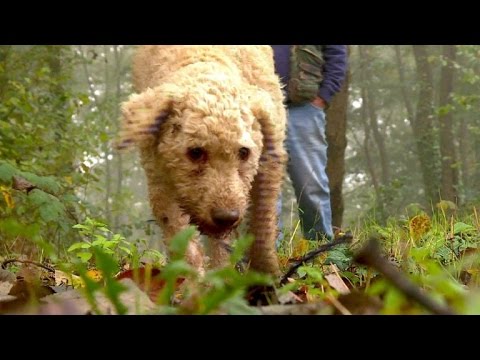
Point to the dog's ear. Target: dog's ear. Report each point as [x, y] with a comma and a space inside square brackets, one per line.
[267, 115]
[142, 117]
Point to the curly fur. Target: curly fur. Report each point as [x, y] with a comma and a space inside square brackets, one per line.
[219, 99]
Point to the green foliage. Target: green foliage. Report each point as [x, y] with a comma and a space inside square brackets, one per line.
[220, 290]
[97, 237]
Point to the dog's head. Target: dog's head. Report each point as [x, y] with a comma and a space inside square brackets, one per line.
[203, 142]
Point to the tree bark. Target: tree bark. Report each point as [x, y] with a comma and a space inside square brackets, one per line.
[447, 146]
[403, 85]
[4, 54]
[370, 103]
[423, 126]
[463, 147]
[337, 142]
[118, 155]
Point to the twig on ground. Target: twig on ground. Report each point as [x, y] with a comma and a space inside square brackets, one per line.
[372, 256]
[314, 253]
[9, 261]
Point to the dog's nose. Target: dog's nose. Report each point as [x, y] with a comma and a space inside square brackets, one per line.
[225, 218]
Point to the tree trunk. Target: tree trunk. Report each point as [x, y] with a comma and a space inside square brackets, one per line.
[4, 53]
[423, 126]
[403, 84]
[447, 146]
[370, 103]
[337, 142]
[463, 147]
[98, 105]
[118, 155]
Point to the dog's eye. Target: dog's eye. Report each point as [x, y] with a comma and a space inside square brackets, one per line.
[244, 153]
[197, 154]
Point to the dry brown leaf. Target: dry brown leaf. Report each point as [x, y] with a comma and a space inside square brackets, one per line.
[148, 280]
[22, 184]
[301, 248]
[336, 282]
[7, 197]
[95, 275]
[7, 276]
[289, 298]
[66, 279]
[27, 290]
[73, 302]
[419, 225]
[5, 287]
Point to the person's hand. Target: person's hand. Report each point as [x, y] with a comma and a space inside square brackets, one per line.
[319, 102]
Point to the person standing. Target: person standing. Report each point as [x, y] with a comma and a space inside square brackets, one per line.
[312, 75]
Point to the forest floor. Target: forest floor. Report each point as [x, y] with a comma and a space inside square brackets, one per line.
[420, 265]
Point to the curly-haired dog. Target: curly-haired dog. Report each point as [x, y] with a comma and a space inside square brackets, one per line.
[210, 124]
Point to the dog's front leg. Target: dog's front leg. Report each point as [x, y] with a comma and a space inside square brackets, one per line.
[219, 251]
[172, 220]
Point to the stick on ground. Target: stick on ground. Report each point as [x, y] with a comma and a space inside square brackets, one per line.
[371, 255]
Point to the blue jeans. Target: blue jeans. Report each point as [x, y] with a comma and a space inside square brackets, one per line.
[306, 144]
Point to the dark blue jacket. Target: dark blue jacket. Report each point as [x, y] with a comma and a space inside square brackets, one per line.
[334, 69]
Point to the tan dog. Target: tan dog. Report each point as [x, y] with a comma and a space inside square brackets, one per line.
[210, 124]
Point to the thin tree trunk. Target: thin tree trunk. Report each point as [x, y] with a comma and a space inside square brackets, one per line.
[107, 161]
[337, 142]
[372, 112]
[118, 190]
[366, 147]
[423, 126]
[463, 146]
[447, 146]
[4, 54]
[403, 84]
[106, 150]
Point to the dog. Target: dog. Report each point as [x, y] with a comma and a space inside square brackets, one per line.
[209, 122]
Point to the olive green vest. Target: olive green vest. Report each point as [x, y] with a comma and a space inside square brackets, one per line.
[306, 68]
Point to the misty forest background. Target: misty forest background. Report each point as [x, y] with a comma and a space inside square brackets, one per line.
[403, 134]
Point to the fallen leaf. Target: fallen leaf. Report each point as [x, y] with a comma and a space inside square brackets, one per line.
[7, 276]
[289, 298]
[95, 275]
[336, 282]
[358, 303]
[419, 225]
[302, 292]
[27, 290]
[73, 302]
[301, 248]
[5, 287]
[7, 196]
[22, 184]
[148, 280]
[63, 278]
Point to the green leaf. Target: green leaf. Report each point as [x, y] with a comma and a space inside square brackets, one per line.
[238, 306]
[241, 246]
[98, 242]
[461, 227]
[7, 171]
[52, 211]
[179, 243]
[79, 245]
[46, 183]
[110, 244]
[50, 208]
[340, 257]
[84, 256]
[106, 263]
[125, 249]
[314, 273]
[170, 273]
